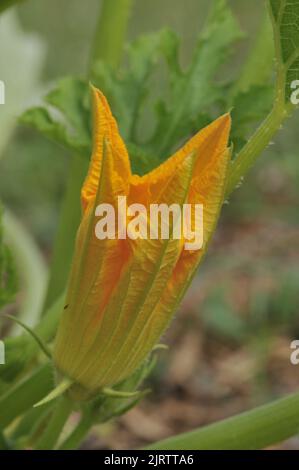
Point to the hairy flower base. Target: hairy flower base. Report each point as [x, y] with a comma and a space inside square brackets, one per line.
[123, 293]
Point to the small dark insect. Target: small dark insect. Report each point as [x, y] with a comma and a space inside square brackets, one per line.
[65, 307]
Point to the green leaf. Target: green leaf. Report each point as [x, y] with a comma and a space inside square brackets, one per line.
[65, 116]
[194, 91]
[219, 318]
[285, 19]
[141, 161]
[128, 89]
[8, 274]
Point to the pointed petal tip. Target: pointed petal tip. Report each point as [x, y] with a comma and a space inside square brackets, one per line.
[92, 87]
[99, 97]
[94, 91]
[225, 121]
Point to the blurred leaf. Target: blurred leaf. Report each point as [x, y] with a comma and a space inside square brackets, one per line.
[257, 68]
[8, 274]
[285, 302]
[219, 318]
[194, 91]
[19, 51]
[141, 161]
[65, 116]
[249, 108]
[128, 89]
[8, 3]
[193, 95]
[285, 18]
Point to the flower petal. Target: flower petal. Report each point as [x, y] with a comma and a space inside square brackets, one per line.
[137, 294]
[105, 127]
[206, 143]
[96, 270]
[207, 188]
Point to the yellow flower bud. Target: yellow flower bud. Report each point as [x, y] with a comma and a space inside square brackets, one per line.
[123, 291]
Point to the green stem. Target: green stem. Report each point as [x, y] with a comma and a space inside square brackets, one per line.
[273, 122]
[25, 394]
[110, 32]
[8, 3]
[56, 424]
[256, 429]
[31, 269]
[29, 422]
[67, 228]
[74, 440]
[255, 145]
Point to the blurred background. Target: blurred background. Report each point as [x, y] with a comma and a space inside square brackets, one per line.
[230, 342]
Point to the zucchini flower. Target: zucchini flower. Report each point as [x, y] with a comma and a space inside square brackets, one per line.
[124, 286]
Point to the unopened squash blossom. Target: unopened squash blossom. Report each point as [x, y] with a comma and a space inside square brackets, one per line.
[123, 293]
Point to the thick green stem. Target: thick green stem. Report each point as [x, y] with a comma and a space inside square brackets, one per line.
[255, 145]
[74, 440]
[256, 429]
[30, 421]
[56, 424]
[68, 225]
[110, 32]
[25, 394]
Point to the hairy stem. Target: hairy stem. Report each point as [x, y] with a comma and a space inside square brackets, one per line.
[255, 145]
